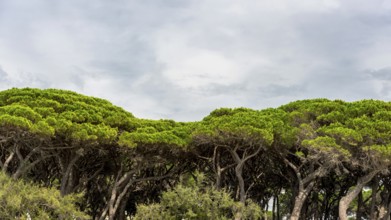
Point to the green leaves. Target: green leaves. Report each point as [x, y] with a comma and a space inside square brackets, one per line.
[42, 127]
[21, 111]
[195, 201]
[382, 151]
[19, 199]
[326, 145]
[17, 121]
[238, 122]
[149, 136]
[342, 134]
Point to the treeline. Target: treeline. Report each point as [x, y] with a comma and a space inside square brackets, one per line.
[310, 159]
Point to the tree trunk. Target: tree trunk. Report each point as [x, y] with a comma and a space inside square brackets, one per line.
[278, 206]
[385, 209]
[352, 194]
[305, 186]
[359, 213]
[218, 170]
[383, 212]
[239, 170]
[373, 198]
[387, 216]
[274, 208]
[218, 179]
[67, 181]
[299, 201]
[7, 161]
[118, 193]
[316, 214]
[122, 208]
[239, 175]
[242, 191]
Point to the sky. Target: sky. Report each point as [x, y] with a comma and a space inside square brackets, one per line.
[181, 59]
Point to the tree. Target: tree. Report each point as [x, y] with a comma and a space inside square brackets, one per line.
[77, 143]
[240, 133]
[152, 148]
[312, 155]
[311, 158]
[369, 142]
[191, 199]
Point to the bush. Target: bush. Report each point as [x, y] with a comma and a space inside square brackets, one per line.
[192, 200]
[22, 200]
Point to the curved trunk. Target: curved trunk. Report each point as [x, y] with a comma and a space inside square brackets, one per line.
[299, 201]
[67, 181]
[239, 175]
[239, 169]
[7, 161]
[352, 194]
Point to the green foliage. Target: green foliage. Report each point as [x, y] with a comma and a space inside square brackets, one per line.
[43, 128]
[19, 199]
[244, 123]
[46, 132]
[380, 151]
[21, 111]
[195, 201]
[326, 145]
[226, 112]
[344, 134]
[9, 120]
[150, 136]
[36, 104]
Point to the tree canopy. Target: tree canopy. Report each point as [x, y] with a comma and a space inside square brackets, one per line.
[319, 159]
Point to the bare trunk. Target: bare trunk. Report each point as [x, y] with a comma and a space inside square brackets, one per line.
[218, 179]
[352, 194]
[387, 216]
[305, 186]
[278, 207]
[7, 161]
[373, 198]
[385, 205]
[122, 208]
[359, 213]
[218, 170]
[385, 211]
[24, 162]
[239, 170]
[67, 177]
[22, 169]
[299, 201]
[274, 208]
[120, 192]
[239, 176]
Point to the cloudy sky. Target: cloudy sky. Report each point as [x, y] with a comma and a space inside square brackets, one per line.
[180, 59]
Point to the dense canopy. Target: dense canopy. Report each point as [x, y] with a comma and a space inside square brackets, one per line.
[317, 158]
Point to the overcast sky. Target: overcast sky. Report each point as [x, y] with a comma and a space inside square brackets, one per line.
[181, 59]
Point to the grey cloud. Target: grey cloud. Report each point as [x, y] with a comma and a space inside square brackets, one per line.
[383, 77]
[344, 83]
[381, 74]
[3, 75]
[275, 90]
[109, 49]
[386, 90]
[215, 89]
[24, 79]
